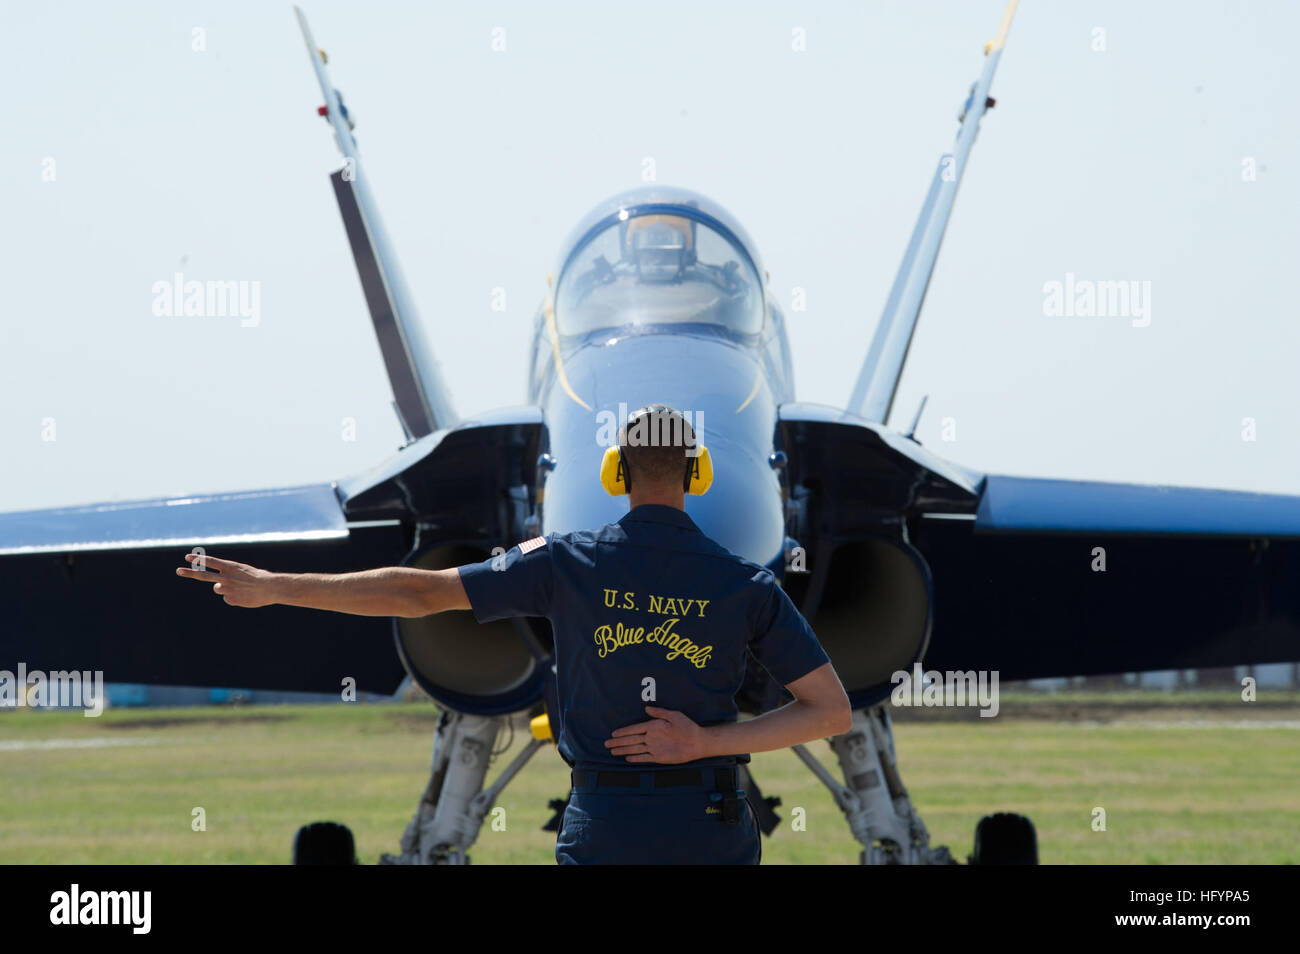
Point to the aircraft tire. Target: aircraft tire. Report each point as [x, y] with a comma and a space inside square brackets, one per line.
[324, 843]
[1005, 838]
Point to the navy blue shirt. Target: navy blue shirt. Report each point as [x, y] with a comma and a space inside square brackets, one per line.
[646, 605]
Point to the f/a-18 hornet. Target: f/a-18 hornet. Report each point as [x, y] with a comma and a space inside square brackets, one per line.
[895, 555]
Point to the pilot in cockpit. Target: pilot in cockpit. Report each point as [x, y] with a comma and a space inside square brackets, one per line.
[657, 269]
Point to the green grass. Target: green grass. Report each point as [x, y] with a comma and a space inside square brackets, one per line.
[1173, 793]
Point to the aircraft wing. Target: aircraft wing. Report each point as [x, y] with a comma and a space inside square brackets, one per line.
[1060, 577]
[126, 613]
[1038, 577]
[94, 588]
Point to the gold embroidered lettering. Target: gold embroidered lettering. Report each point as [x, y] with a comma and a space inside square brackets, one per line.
[603, 641]
[609, 638]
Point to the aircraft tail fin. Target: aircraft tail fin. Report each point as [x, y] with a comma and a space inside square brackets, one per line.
[873, 393]
[421, 398]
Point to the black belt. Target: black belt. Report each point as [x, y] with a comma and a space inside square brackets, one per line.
[724, 777]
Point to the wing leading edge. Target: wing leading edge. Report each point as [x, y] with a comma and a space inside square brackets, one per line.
[1034, 505]
[311, 512]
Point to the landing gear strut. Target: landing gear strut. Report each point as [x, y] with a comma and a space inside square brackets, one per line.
[873, 799]
[451, 812]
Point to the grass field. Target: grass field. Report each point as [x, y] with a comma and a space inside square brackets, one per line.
[1183, 779]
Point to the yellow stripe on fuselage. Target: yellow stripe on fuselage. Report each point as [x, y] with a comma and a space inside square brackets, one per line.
[555, 353]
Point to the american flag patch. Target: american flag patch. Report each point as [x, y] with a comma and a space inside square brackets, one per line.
[529, 545]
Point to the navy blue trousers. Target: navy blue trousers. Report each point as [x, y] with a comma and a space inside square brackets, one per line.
[664, 827]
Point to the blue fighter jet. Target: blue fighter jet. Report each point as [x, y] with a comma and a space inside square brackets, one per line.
[896, 556]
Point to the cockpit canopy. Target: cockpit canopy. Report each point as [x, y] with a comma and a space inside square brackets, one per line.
[657, 263]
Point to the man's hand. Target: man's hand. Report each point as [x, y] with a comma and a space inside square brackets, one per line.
[669, 738]
[237, 583]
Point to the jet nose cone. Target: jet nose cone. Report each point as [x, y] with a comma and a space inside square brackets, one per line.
[718, 387]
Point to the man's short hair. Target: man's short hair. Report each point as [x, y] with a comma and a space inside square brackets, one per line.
[657, 442]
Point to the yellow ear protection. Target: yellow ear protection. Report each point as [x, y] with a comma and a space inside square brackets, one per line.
[614, 471]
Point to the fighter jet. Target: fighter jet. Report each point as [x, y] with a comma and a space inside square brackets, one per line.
[896, 556]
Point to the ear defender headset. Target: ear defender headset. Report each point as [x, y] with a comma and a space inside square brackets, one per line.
[614, 475]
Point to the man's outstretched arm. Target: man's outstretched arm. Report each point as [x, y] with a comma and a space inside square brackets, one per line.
[387, 591]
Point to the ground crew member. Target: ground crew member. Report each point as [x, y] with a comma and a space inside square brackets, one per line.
[652, 621]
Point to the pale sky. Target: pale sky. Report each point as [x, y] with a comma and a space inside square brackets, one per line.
[1123, 163]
